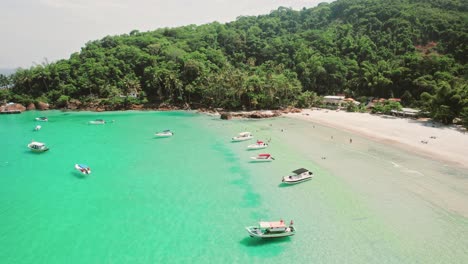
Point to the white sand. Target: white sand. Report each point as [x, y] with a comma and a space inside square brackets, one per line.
[444, 143]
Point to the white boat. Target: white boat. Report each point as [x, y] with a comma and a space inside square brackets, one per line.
[271, 229]
[85, 169]
[262, 158]
[258, 145]
[97, 122]
[37, 147]
[42, 119]
[165, 133]
[37, 128]
[243, 136]
[300, 175]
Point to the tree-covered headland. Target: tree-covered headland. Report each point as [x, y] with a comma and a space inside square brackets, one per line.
[415, 50]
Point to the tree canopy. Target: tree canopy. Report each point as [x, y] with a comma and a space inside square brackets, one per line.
[413, 49]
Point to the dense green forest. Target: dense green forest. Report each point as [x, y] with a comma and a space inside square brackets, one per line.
[412, 49]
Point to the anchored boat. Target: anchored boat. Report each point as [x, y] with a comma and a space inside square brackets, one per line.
[271, 229]
[37, 147]
[85, 169]
[42, 119]
[262, 158]
[259, 145]
[243, 136]
[300, 175]
[165, 133]
[97, 122]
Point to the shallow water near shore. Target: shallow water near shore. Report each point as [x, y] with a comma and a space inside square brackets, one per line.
[187, 199]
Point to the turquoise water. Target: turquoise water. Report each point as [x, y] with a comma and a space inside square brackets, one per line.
[187, 199]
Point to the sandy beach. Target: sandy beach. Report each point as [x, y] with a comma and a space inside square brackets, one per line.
[443, 143]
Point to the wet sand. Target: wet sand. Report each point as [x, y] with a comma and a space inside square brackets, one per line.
[443, 143]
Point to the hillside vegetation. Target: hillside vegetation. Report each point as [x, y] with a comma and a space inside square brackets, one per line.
[412, 49]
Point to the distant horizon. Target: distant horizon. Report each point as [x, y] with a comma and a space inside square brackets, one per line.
[8, 71]
[51, 30]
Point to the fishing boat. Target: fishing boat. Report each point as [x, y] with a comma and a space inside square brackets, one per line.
[258, 145]
[85, 169]
[97, 122]
[243, 136]
[271, 229]
[262, 158]
[42, 119]
[165, 133]
[37, 128]
[300, 175]
[37, 147]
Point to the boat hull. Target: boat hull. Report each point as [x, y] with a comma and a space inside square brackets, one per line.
[252, 147]
[39, 150]
[238, 139]
[286, 180]
[259, 233]
[254, 159]
[163, 135]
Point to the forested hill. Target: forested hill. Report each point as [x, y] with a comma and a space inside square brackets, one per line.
[413, 49]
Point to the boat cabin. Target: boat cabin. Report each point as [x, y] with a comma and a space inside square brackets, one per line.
[245, 134]
[302, 171]
[278, 226]
[37, 145]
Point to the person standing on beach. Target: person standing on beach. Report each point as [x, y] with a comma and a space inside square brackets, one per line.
[350, 140]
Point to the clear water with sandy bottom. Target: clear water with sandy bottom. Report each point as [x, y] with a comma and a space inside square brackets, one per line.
[187, 199]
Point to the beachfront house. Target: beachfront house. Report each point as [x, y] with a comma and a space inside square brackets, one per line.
[337, 100]
[406, 112]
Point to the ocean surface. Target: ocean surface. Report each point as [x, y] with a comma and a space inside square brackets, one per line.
[188, 198]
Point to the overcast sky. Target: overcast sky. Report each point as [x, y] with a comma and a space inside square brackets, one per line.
[33, 31]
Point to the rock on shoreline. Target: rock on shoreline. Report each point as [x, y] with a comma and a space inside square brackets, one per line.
[76, 105]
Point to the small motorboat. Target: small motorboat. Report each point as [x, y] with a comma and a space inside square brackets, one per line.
[243, 136]
[37, 147]
[85, 169]
[165, 133]
[42, 119]
[300, 175]
[258, 145]
[97, 122]
[262, 158]
[37, 128]
[271, 229]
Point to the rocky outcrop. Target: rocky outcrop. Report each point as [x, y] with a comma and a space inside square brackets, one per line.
[254, 114]
[11, 107]
[291, 110]
[73, 104]
[42, 106]
[31, 106]
[226, 116]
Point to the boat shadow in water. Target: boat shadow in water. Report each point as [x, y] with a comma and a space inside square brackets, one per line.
[258, 242]
[284, 185]
[78, 175]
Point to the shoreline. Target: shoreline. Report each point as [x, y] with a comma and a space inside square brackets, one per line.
[422, 137]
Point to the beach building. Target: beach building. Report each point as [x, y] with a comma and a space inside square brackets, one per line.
[406, 112]
[338, 100]
[334, 99]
